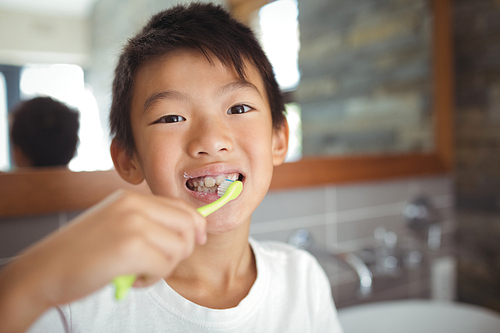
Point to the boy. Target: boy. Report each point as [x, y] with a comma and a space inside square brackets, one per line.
[194, 98]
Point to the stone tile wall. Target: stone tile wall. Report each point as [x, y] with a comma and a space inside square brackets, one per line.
[477, 126]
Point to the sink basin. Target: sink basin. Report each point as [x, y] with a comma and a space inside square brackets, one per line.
[412, 316]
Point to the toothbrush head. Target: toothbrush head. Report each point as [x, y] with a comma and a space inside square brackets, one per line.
[230, 189]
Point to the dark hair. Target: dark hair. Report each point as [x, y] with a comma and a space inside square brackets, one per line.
[204, 27]
[46, 131]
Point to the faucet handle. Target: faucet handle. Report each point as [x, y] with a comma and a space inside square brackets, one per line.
[386, 239]
[421, 216]
[420, 213]
[301, 239]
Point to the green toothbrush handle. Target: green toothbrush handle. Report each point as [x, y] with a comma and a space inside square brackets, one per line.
[232, 192]
[212, 207]
[124, 282]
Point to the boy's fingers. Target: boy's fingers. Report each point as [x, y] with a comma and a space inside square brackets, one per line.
[186, 214]
[201, 236]
[198, 220]
[154, 264]
[174, 244]
[172, 213]
[150, 248]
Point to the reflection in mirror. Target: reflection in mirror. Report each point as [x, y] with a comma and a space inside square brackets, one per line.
[365, 74]
[44, 51]
[277, 28]
[65, 83]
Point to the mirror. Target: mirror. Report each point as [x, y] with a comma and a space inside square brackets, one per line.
[375, 90]
[366, 77]
[363, 80]
[430, 99]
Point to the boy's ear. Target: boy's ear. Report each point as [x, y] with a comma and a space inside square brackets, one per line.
[126, 166]
[280, 144]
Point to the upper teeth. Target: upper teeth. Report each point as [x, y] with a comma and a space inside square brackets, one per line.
[209, 184]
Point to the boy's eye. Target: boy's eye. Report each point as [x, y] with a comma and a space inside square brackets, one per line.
[238, 109]
[171, 118]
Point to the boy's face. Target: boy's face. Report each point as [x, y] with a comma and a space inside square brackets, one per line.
[194, 121]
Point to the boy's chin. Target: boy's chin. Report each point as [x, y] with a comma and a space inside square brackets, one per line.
[218, 224]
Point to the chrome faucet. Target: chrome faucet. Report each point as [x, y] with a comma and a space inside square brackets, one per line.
[421, 216]
[302, 239]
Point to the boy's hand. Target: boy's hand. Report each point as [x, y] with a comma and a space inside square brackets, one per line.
[127, 233]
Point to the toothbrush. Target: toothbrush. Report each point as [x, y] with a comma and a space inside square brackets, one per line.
[228, 190]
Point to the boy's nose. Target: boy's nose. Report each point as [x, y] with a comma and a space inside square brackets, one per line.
[209, 138]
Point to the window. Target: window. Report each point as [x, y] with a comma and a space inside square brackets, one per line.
[277, 28]
[279, 37]
[4, 126]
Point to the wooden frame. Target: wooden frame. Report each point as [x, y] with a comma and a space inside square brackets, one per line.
[33, 192]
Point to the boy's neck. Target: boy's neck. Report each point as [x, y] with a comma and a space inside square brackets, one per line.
[218, 274]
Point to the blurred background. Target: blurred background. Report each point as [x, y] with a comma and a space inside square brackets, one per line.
[359, 79]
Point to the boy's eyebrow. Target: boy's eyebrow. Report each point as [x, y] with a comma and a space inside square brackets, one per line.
[235, 85]
[169, 94]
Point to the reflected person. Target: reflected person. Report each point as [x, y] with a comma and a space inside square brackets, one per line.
[44, 132]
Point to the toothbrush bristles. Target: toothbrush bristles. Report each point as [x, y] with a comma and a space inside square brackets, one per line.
[221, 190]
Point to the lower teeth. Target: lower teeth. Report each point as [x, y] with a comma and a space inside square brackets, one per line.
[208, 184]
[204, 189]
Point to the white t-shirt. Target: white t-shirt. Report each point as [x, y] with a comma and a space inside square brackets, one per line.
[291, 294]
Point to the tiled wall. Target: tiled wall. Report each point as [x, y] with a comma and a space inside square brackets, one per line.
[20, 232]
[344, 218]
[340, 218]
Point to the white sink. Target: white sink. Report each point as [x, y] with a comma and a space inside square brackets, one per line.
[412, 316]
